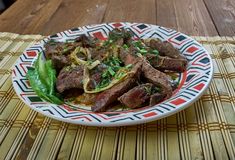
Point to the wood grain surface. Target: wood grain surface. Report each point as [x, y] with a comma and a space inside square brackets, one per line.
[223, 15]
[205, 130]
[199, 17]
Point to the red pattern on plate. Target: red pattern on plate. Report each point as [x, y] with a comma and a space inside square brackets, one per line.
[31, 53]
[199, 86]
[150, 114]
[192, 49]
[178, 101]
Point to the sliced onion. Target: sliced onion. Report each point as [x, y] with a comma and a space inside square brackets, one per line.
[86, 79]
[79, 61]
[93, 65]
[74, 57]
[88, 53]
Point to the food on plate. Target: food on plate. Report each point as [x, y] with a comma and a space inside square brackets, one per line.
[100, 73]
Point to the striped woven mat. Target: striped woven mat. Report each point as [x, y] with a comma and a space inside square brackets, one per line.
[206, 130]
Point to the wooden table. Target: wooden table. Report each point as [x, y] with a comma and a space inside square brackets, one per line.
[197, 17]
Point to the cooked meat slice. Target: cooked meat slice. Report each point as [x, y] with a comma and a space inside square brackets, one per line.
[128, 57]
[156, 98]
[158, 78]
[69, 77]
[166, 63]
[107, 97]
[87, 41]
[137, 96]
[59, 61]
[136, 70]
[151, 74]
[59, 48]
[165, 49]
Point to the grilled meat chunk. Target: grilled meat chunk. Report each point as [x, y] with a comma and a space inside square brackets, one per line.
[87, 41]
[136, 96]
[69, 77]
[158, 78]
[166, 63]
[165, 49]
[60, 61]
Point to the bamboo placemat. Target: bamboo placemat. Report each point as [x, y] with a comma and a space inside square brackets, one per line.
[206, 130]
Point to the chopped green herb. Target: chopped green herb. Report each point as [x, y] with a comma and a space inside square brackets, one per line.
[143, 51]
[138, 44]
[129, 66]
[148, 90]
[105, 74]
[103, 83]
[116, 68]
[111, 71]
[114, 71]
[113, 62]
[107, 42]
[141, 48]
[125, 46]
[65, 50]
[155, 90]
[155, 52]
[117, 34]
[119, 75]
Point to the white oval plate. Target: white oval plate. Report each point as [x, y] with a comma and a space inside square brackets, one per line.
[192, 83]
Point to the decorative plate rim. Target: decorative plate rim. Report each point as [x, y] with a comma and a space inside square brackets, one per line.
[101, 119]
